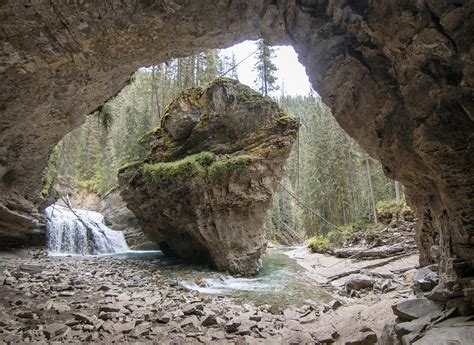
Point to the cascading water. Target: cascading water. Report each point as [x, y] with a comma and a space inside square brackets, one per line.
[80, 232]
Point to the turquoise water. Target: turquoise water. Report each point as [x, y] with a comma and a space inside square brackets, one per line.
[281, 281]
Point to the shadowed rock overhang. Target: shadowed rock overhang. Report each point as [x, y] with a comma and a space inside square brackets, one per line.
[398, 77]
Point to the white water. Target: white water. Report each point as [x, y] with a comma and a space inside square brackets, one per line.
[67, 235]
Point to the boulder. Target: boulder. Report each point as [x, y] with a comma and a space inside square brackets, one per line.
[415, 308]
[202, 191]
[426, 278]
[54, 329]
[358, 283]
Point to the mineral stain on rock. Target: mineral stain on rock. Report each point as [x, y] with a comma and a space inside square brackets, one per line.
[210, 171]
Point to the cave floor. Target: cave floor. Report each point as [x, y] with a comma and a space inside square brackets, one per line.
[107, 300]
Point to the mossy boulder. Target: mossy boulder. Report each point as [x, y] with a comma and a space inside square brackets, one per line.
[209, 175]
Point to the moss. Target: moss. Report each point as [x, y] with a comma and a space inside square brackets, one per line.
[224, 168]
[191, 166]
[127, 166]
[318, 244]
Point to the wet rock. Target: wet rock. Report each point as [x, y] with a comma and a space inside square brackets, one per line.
[415, 308]
[213, 179]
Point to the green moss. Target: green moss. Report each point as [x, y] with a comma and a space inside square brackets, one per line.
[318, 244]
[191, 166]
[222, 169]
[127, 166]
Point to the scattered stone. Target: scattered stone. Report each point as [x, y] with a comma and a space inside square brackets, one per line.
[126, 327]
[141, 329]
[109, 308]
[462, 306]
[334, 304]
[232, 326]
[67, 293]
[164, 318]
[209, 319]
[256, 318]
[91, 320]
[32, 268]
[415, 308]
[309, 318]
[365, 337]
[105, 288]
[452, 331]
[55, 329]
[27, 315]
[356, 283]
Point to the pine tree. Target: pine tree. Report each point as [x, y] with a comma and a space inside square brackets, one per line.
[265, 69]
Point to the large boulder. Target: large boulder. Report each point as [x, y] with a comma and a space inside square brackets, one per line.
[211, 168]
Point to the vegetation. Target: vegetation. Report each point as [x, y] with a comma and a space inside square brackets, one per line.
[327, 172]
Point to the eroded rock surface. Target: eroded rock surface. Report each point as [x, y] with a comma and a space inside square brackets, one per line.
[204, 188]
[398, 77]
[118, 217]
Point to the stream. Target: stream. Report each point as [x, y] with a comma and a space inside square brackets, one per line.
[281, 282]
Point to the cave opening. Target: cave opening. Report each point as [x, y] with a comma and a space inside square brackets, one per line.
[396, 77]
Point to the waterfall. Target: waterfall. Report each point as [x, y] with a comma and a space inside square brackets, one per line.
[67, 234]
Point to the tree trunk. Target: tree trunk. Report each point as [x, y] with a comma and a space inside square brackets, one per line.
[371, 190]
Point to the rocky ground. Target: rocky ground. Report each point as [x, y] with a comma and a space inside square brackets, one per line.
[111, 300]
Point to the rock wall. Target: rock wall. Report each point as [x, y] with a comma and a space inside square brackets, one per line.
[203, 189]
[118, 217]
[397, 75]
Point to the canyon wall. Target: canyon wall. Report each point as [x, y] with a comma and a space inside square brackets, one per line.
[397, 75]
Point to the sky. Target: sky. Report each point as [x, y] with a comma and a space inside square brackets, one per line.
[290, 71]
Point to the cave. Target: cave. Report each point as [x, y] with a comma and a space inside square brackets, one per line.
[397, 76]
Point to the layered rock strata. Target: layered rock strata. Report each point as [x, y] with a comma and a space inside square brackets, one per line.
[204, 188]
[397, 75]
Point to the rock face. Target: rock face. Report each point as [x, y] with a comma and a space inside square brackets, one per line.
[118, 217]
[397, 75]
[204, 188]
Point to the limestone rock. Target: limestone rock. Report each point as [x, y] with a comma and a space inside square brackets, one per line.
[426, 278]
[415, 308]
[202, 191]
[397, 76]
[359, 282]
[55, 329]
[118, 217]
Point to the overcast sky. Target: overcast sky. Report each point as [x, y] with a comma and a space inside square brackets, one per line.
[290, 71]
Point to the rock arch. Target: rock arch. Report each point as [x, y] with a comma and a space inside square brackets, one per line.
[397, 75]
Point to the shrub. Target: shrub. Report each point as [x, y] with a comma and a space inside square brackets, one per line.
[318, 244]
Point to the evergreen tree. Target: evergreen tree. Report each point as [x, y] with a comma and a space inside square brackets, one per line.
[265, 69]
